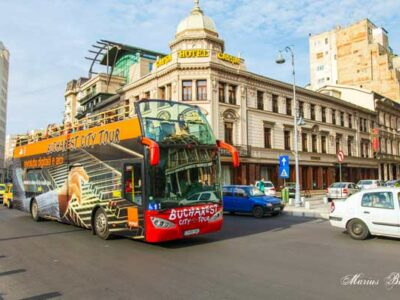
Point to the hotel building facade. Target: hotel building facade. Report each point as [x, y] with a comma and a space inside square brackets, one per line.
[253, 112]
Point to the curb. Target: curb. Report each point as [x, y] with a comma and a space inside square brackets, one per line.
[306, 214]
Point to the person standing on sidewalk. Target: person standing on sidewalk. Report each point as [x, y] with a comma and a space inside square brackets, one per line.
[260, 184]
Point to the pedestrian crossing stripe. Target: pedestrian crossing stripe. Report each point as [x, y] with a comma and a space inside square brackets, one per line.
[284, 173]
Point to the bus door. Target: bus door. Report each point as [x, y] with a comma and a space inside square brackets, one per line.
[133, 183]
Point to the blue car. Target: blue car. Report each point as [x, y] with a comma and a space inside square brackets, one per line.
[249, 199]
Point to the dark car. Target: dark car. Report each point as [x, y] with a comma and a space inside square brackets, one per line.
[392, 183]
[249, 199]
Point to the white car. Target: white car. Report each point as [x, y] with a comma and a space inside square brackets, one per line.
[368, 184]
[341, 190]
[369, 212]
[269, 188]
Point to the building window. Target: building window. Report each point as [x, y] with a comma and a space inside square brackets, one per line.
[201, 90]
[323, 144]
[267, 137]
[275, 103]
[221, 92]
[338, 138]
[323, 114]
[361, 125]
[365, 125]
[288, 106]
[333, 117]
[341, 118]
[314, 143]
[312, 108]
[287, 139]
[161, 93]
[362, 149]
[350, 121]
[232, 94]
[301, 109]
[187, 90]
[260, 100]
[304, 142]
[229, 133]
[349, 143]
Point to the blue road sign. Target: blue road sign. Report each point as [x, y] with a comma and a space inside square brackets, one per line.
[284, 169]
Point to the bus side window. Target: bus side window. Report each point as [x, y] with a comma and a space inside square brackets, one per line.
[133, 183]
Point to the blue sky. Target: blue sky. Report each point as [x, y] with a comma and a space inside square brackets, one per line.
[48, 39]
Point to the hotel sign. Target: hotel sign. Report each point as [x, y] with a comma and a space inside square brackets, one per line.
[229, 58]
[163, 61]
[193, 53]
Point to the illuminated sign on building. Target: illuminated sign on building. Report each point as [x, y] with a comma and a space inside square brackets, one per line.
[229, 58]
[164, 60]
[193, 53]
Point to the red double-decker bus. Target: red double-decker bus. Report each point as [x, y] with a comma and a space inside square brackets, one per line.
[154, 176]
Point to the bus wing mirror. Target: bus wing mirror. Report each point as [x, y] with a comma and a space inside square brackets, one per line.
[154, 150]
[233, 151]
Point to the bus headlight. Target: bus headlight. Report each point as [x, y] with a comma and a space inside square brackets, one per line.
[216, 216]
[161, 223]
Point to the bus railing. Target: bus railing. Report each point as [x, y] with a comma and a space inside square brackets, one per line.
[53, 130]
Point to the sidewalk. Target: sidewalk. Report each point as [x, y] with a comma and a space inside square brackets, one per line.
[315, 208]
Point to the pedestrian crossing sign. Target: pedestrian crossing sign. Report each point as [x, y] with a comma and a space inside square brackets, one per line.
[284, 168]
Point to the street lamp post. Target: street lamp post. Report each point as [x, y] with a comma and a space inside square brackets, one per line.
[280, 60]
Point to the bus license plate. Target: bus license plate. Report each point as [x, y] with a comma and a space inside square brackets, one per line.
[191, 232]
[277, 208]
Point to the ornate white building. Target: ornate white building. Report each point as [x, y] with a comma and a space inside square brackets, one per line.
[253, 112]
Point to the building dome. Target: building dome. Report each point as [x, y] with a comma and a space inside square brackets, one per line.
[197, 21]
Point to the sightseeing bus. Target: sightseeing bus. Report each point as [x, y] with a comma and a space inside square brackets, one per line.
[153, 176]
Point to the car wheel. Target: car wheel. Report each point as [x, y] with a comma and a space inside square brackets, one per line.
[101, 225]
[9, 204]
[357, 229]
[35, 211]
[258, 212]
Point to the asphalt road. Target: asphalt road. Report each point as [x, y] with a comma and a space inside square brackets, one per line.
[275, 258]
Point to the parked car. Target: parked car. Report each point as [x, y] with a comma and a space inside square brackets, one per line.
[368, 184]
[249, 199]
[269, 188]
[392, 183]
[369, 212]
[208, 196]
[341, 190]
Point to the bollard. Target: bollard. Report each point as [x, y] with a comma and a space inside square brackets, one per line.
[291, 201]
[308, 205]
[325, 200]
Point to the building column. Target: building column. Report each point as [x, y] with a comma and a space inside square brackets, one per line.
[385, 172]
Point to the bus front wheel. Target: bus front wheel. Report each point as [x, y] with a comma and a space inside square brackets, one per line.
[101, 225]
[35, 211]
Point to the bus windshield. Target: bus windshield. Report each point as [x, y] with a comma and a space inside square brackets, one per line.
[185, 176]
[168, 122]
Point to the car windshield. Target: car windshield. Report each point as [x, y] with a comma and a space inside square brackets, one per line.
[268, 184]
[185, 176]
[338, 185]
[364, 182]
[255, 192]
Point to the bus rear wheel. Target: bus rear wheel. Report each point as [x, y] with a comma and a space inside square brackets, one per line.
[101, 225]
